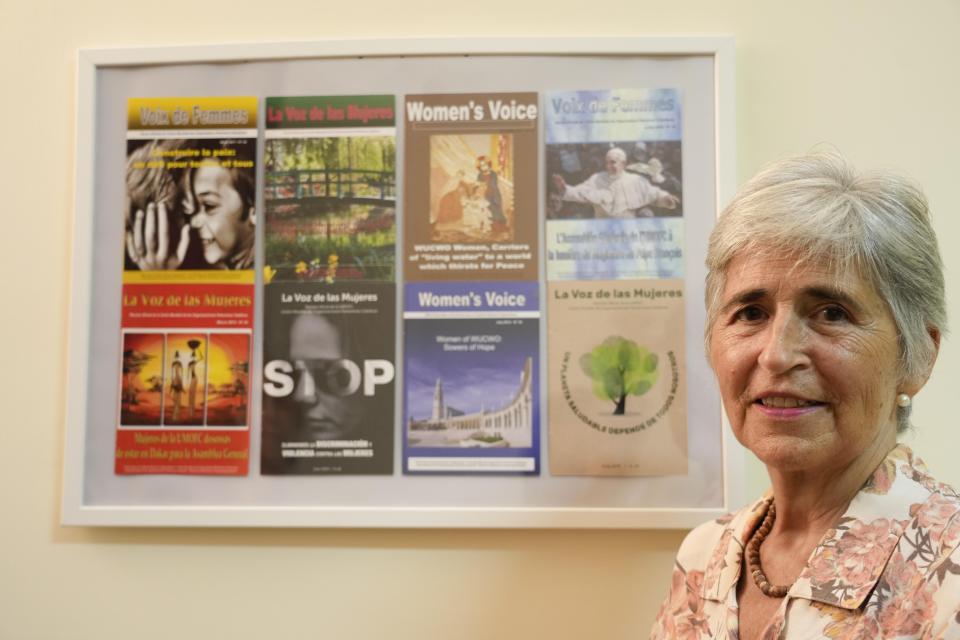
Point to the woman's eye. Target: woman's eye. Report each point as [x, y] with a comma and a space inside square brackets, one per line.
[750, 314]
[834, 313]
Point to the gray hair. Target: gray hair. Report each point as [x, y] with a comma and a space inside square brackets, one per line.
[820, 208]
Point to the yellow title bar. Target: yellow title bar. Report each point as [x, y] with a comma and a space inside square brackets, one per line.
[211, 276]
[226, 112]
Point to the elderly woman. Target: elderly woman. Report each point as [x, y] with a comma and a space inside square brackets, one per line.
[825, 306]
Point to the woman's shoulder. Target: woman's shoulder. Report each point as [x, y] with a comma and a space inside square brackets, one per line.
[920, 581]
[932, 513]
[902, 489]
[712, 539]
[705, 537]
[914, 469]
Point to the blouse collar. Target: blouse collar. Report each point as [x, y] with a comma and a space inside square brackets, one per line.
[851, 556]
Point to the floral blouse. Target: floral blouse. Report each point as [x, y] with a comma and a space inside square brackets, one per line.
[889, 569]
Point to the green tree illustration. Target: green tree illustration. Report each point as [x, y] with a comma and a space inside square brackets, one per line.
[620, 368]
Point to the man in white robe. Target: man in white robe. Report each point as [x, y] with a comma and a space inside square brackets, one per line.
[614, 193]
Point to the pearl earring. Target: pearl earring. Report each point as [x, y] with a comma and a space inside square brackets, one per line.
[903, 400]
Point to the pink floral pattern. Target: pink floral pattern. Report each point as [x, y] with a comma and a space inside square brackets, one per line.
[935, 514]
[719, 557]
[690, 623]
[844, 626]
[850, 558]
[890, 568]
[909, 605]
[882, 478]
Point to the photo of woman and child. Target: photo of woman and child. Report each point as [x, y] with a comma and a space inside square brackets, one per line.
[190, 204]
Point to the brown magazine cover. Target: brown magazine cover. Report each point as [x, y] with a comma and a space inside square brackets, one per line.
[471, 187]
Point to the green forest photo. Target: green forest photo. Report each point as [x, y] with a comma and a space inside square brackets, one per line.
[331, 208]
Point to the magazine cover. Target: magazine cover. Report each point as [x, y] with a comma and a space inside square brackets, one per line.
[470, 187]
[328, 378]
[614, 180]
[330, 189]
[189, 221]
[617, 392]
[330, 296]
[471, 379]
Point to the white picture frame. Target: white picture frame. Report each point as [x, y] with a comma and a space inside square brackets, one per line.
[84, 504]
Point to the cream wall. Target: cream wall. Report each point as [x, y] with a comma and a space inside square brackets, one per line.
[877, 79]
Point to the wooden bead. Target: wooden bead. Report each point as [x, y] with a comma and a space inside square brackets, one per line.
[753, 556]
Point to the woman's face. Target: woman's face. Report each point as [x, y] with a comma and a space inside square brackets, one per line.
[807, 361]
[326, 393]
[219, 215]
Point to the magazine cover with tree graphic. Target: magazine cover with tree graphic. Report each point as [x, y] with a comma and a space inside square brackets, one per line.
[617, 393]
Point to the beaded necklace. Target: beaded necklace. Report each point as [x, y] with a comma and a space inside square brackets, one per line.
[753, 556]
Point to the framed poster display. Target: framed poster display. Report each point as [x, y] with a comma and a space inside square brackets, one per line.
[398, 283]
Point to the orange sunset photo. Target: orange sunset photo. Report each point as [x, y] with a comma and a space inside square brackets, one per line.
[185, 379]
[141, 385]
[228, 371]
